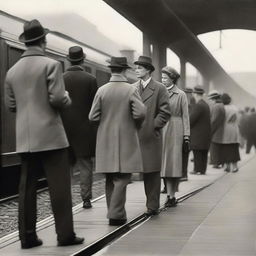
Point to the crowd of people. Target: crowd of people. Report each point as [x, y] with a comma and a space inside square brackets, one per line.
[65, 121]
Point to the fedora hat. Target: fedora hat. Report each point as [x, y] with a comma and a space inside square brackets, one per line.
[75, 53]
[213, 94]
[32, 31]
[145, 62]
[118, 62]
[198, 89]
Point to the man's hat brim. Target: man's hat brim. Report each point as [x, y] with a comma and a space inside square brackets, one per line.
[119, 66]
[78, 59]
[145, 64]
[23, 40]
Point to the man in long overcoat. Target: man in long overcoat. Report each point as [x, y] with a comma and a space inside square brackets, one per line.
[119, 110]
[81, 133]
[156, 99]
[34, 89]
[200, 125]
[217, 111]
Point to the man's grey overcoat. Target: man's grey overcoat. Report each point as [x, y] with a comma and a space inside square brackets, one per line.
[119, 110]
[156, 99]
[38, 123]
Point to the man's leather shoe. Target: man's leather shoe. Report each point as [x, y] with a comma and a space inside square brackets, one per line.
[151, 212]
[31, 243]
[73, 241]
[117, 222]
[193, 172]
[87, 204]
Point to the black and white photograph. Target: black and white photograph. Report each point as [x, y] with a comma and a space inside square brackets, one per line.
[128, 128]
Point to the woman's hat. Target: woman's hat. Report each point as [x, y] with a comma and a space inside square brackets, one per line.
[145, 62]
[75, 53]
[33, 30]
[213, 94]
[198, 89]
[118, 62]
[171, 72]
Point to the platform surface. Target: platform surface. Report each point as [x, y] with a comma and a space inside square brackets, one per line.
[178, 230]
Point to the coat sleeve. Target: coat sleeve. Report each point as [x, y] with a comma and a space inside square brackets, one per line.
[95, 112]
[195, 114]
[217, 118]
[10, 101]
[185, 115]
[58, 97]
[138, 109]
[163, 109]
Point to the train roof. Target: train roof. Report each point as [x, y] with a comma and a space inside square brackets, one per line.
[11, 27]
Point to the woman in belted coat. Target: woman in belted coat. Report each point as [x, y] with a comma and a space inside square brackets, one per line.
[176, 135]
[231, 137]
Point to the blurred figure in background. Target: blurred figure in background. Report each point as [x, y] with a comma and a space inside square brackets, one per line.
[176, 135]
[230, 140]
[217, 126]
[251, 131]
[81, 133]
[185, 154]
[200, 123]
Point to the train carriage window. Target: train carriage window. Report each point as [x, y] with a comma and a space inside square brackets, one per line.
[14, 55]
[8, 118]
[102, 77]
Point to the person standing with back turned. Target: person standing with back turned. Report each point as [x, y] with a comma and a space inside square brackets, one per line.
[81, 133]
[119, 110]
[156, 99]
[34, 89]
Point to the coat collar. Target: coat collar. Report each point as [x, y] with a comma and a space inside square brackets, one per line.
[148, 91]
[173, 90]
[117, 78]
[33, 51]
[75, 68]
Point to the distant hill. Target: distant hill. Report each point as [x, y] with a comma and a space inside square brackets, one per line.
[247, 80]
[79, 28]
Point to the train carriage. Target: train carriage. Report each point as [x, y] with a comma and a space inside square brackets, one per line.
[10, 51]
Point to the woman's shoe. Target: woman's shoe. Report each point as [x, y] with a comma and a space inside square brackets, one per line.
[235, 170]
[171, 202]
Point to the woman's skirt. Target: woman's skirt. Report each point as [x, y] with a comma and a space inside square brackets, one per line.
[229, 153]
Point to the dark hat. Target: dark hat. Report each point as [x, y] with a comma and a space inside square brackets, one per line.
[226, 99]
[213, 95]
[171, 72]
[188, 90]
[33, 30]
[75, 53]
[198, 89]
[118, 62]
[145, 62]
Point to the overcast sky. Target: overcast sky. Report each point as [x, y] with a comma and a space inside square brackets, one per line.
[238, 47]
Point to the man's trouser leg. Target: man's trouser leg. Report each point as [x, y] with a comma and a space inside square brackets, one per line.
[152, 184]
[85, 166]
[27, 197]
[116, 209]
[57, 171]
[204, 161]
